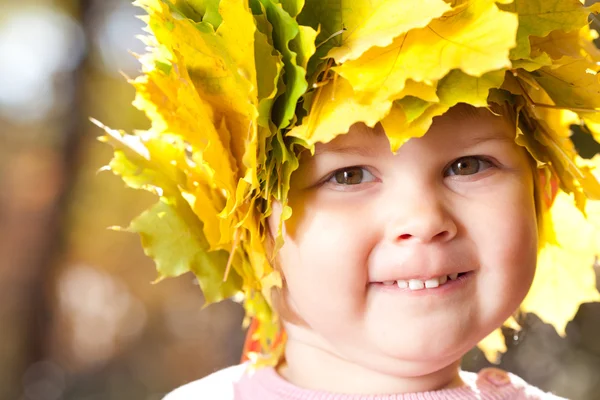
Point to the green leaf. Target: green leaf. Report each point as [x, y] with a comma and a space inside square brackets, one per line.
[268, 69]
[172, 236]
[500, 97]
[304, 45]
[413, 107]
[326, 16]
[212, 12]
[458, 87]
[292, 7]
[198, 10]
[285, 29]
[185, 9]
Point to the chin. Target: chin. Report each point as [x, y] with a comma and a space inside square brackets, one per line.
[410, 365]
[432, 353]
[395, 359]
[439, 342]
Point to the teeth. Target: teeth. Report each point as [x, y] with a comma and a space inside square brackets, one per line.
[416, 284]
[432, 283]
[402, 284]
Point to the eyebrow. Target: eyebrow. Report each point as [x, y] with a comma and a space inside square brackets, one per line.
[369, 151]
[495, 136]
[364, 151]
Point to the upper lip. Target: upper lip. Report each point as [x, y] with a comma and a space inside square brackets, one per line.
[393, 263]
[420, 277]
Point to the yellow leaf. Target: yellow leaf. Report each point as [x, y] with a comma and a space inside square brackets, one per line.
[181, 110]
[565, 276]
[422, 90]
[399, 129]
[172, 235]
[220, 69]
[547, 137]
[540, 17]
[575, 44]
[412, 107]
[474, 37]
[237, 31]
[335, 108]
[592, 121]
[458, 87]
[493, 345]
[532, 63]
[572, 85]
[304, 45]
[377, 23]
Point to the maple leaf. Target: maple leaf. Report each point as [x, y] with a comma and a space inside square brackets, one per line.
[292, 7]
[286, 30]
[565, 275]
[172, 236]
[200, 155]
[199, 10]
[578, 43]
[458, 87]
[213, 79]
[540, 17]
[474, 37]
[269, 66]
[377, 23]
[334, 109]
[412, 107]
[572, 84]
[409, 118]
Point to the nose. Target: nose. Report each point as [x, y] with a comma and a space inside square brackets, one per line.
[420, 216]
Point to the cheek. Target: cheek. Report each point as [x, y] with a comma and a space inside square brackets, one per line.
[328, 245]
[507, 238]
[522, 234]
[324, 268]
[516, 244]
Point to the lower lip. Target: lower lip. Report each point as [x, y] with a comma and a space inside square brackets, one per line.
[448, 287]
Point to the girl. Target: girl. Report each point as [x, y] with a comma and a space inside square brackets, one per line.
[374, 177]
[397, 264]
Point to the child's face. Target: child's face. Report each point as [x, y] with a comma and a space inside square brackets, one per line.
[458, 200]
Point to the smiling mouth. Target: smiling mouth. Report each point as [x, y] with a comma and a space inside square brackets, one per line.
[432, 283]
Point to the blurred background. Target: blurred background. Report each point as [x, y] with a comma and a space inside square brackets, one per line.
[79, 316]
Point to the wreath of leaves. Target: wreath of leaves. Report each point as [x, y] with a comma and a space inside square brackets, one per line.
[236, 88]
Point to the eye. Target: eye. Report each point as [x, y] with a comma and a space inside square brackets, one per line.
[351, 176]
[467, 166]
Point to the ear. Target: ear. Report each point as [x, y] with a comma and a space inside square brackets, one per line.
[548, 185]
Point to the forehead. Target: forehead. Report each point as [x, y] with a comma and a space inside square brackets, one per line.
[461, 125]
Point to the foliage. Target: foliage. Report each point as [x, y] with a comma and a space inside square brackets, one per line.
[237, 89]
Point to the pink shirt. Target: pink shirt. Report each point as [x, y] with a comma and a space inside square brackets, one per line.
[234, 383]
